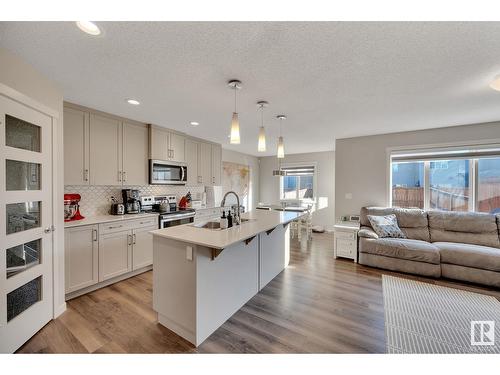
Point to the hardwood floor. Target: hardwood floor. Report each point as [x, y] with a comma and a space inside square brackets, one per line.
[316, 305]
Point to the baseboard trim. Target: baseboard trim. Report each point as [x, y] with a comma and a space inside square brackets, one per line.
[102, 284]
[59, 310]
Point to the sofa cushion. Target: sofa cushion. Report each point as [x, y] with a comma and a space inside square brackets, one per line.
[367, 232]
[468, 255]
[412, 221]
[386, 226]
[409, 249]
[464, 227]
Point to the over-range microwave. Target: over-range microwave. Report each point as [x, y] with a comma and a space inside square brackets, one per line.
[162, 172]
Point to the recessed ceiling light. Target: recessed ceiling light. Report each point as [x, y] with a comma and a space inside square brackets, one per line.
[495, 84]
[133, 102]
[88, 27]
[194, 123]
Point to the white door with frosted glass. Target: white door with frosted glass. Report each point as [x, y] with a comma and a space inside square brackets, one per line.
[26, 218]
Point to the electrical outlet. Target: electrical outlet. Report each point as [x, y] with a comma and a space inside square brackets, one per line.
[189, 252]
[348, 196]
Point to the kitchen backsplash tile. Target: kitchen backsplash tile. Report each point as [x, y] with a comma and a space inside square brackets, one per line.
[96, 200]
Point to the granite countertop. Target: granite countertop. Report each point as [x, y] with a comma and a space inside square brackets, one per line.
[99, 219]
[260, 221]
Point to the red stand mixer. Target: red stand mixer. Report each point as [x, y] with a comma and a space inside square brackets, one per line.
[71, 207]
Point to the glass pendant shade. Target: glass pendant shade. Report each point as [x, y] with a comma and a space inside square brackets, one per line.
[235, 130]
[261, 146]
[281, 148]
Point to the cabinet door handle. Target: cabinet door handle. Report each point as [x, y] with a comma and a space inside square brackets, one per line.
[124, 174]
[119, 176]
[173, 154]
[118, 226]
[86, 175]
[129, 239]
[94, 233]
[133, 236]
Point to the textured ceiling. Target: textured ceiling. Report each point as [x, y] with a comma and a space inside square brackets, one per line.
[332, 80]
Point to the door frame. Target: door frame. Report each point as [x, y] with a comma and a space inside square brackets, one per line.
[58, 303]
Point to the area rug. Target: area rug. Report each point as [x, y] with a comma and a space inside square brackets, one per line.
[426, 318]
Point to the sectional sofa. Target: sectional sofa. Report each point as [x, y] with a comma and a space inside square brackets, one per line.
[457, 245]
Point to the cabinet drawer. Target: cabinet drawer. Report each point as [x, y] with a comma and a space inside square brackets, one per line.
[345, 246]
[113, 227]
[145, 222]
[344, 235]
[346, 254]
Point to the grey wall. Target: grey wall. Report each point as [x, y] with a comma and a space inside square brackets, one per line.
[361, 167]
[23, 78]
[325, 181]
[253, 163]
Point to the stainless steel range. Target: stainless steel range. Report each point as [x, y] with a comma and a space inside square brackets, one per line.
[166, 206]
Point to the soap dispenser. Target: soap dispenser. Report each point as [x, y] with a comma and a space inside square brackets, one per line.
[229, 219]
[223, 220]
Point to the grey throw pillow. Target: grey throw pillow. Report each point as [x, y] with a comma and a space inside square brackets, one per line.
[386, 226]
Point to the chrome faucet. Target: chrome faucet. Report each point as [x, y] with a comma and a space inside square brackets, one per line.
[237, 219]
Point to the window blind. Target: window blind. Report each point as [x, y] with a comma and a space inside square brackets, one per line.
[448, 154]
[298, 171]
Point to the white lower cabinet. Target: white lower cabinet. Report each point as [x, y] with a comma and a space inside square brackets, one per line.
[346, 241]
[115, 254]
[142, 252]
[101, 252]
[81, 257]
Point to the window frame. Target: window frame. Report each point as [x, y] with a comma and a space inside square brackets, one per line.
[314, 188]
[428, 155]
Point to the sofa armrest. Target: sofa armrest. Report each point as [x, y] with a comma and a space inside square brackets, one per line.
[367, 232]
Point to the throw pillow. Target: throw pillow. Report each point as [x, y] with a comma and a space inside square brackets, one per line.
[386, 226]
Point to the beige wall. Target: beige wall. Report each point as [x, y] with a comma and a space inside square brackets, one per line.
[325, 181]
[253, 162]
[362, 163]
[23, 78]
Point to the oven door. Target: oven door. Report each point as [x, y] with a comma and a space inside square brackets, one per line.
[167, 173]
[168, 221]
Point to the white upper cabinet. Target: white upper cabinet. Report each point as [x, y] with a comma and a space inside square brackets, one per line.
[166, 145]
[193, 178]
[135, 154]
[105, 150]
[216, 164]
[76, 147]
[205, 163]
[101, 149]
[177, 144]
[159, 143]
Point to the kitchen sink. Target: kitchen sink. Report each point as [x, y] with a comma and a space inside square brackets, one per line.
[208, 225]
[215, 225]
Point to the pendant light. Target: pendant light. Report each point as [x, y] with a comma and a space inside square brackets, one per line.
[261, 146]
[235, 122]
[281, 146]
[281, 150]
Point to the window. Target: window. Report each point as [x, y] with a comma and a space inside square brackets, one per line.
[458, 180]
[449, 185]
[408, 184]
[488, 185]
[298, 182]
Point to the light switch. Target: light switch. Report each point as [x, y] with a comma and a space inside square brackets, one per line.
[189, 252]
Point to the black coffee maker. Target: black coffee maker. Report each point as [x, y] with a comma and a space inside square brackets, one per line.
[131, 201]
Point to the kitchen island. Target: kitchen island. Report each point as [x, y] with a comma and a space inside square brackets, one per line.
[201, 276]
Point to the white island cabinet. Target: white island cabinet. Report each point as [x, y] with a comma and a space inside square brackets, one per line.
[203, 276]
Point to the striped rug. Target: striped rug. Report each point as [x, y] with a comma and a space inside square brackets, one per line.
[427, 318]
